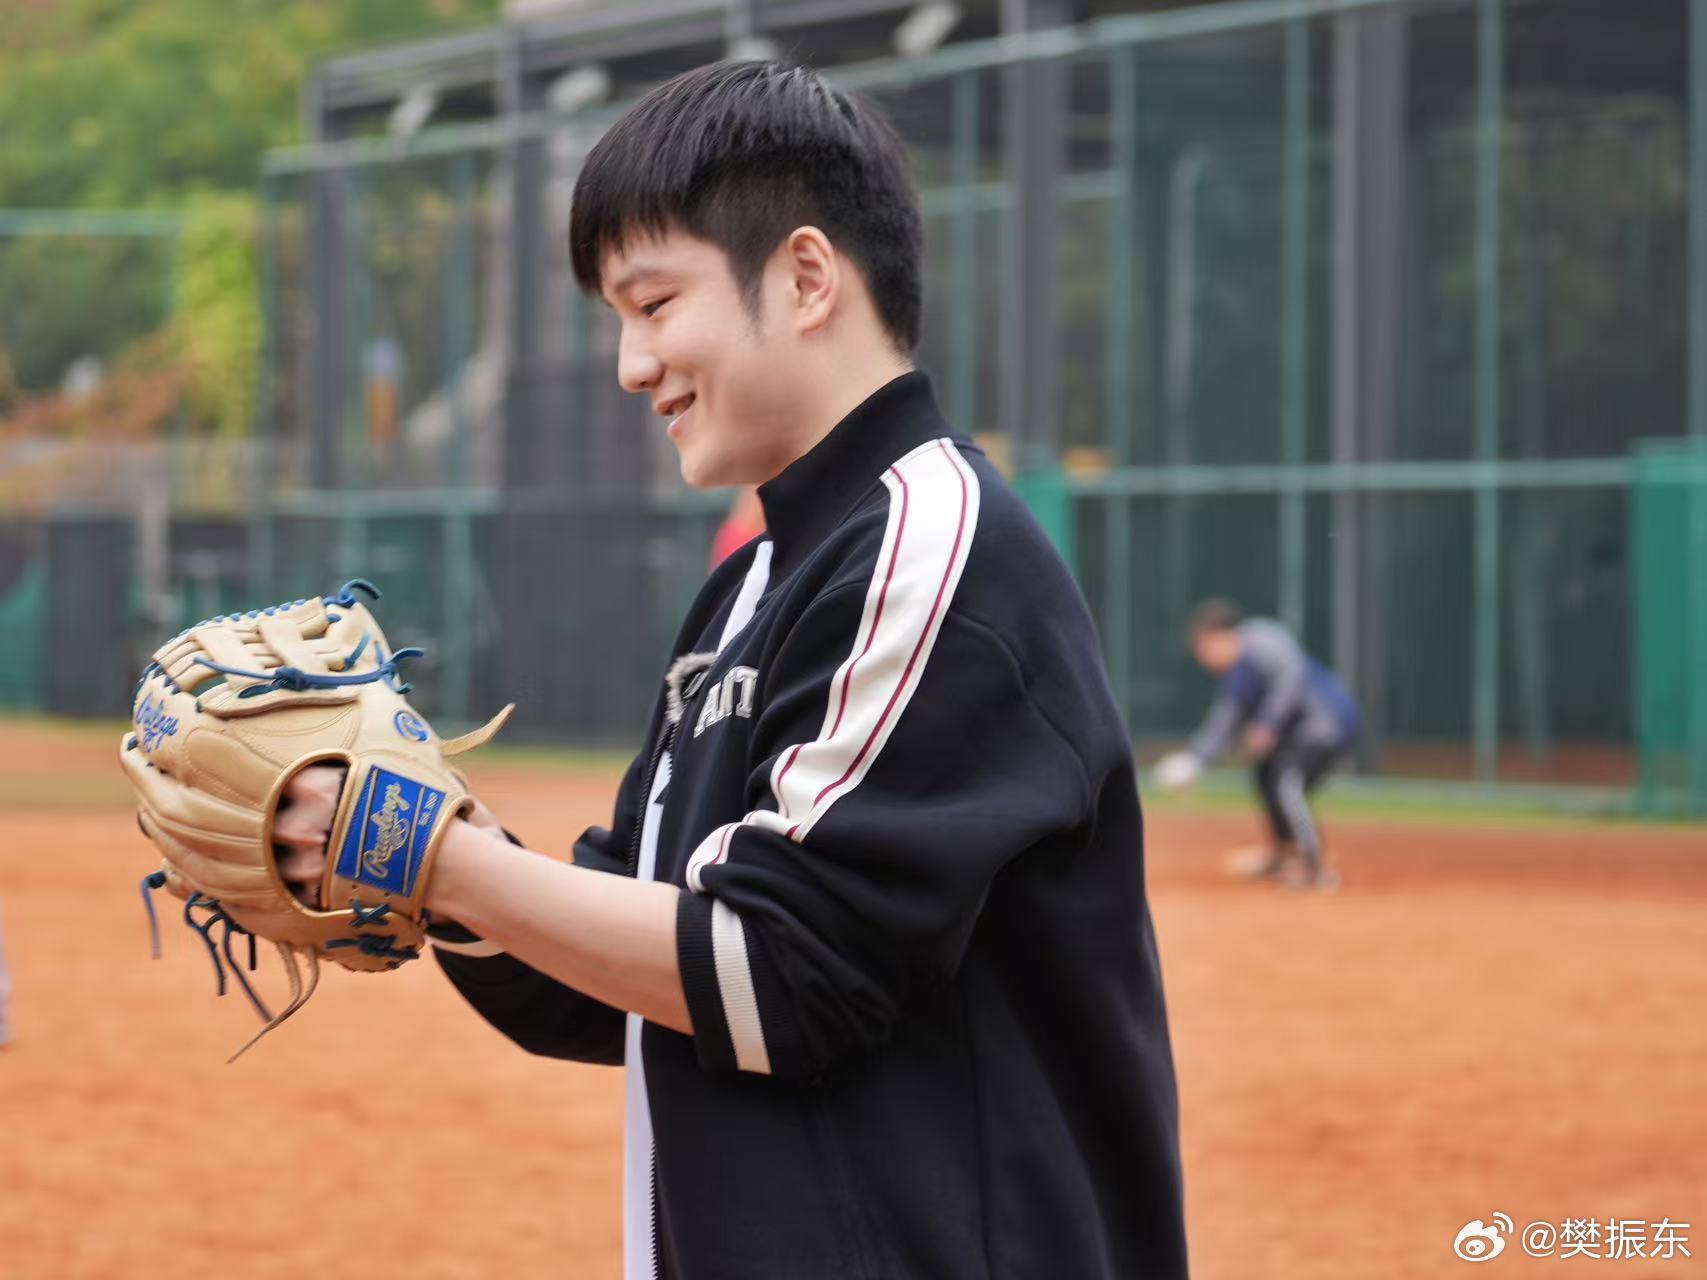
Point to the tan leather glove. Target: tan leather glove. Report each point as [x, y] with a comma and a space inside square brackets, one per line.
[226, 713]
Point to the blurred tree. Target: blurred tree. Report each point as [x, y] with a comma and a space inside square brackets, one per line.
[126, 104]
[218, 309]
[70, 297]
[114, 103]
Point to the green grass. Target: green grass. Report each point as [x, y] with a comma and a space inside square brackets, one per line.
[1427, 803]
[546, 758]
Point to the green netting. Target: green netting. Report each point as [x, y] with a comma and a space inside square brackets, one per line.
[1670, 540]
[20, 640]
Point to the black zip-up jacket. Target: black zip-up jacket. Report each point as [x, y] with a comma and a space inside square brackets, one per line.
[888, 775]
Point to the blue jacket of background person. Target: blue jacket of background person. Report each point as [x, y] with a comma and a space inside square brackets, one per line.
[1279, 686]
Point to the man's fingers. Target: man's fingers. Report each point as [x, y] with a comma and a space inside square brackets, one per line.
[302, 866]
[308, 826]
[318, 782]
[302, 827]
[308, 805]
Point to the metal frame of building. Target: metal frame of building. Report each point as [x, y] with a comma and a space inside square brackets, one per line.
[503, 70]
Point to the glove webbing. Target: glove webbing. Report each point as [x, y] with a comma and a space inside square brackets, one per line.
[299, 681]
[344, 596]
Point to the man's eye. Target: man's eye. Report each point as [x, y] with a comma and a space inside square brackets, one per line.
[651, 308]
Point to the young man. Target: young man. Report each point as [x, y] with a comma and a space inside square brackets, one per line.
[1298, 721]
[868, 927]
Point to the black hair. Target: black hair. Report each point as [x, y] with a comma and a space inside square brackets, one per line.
[740, 154]
[1214, 614]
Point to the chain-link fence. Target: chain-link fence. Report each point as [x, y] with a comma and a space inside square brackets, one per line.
[1354, 311]
[87, 299]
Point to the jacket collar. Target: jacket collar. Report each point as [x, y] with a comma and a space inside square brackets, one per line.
[818, 490]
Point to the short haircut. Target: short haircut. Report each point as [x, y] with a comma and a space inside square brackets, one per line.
[740, 154]
[1214, 614]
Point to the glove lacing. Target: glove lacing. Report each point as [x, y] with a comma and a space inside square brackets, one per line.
[296, 958]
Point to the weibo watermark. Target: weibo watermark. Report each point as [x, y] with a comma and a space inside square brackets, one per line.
[1605, 1239]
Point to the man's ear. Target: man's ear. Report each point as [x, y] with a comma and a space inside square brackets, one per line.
[815, 277]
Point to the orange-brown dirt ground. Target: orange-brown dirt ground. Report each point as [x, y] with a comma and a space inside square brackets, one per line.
[1482, 1019]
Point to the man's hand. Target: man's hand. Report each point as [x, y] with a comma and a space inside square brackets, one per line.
[1259, 741]
[302, 828]
[304, 824]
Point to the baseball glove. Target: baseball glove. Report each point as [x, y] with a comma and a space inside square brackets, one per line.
[225, 715]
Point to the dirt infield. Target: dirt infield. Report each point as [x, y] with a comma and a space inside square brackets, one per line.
[1480, 1020]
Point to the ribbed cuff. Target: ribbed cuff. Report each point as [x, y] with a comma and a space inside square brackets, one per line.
[451, 931]
[696, 957]
[459, 940]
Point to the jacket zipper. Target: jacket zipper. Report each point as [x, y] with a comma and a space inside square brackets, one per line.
[665, 742]
[657, 1257]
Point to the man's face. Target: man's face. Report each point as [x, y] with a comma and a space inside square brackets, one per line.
[1216, 650]
[719, 374]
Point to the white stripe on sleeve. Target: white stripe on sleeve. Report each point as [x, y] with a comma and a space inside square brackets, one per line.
[927, 540]
[933, 515]
[735, 981]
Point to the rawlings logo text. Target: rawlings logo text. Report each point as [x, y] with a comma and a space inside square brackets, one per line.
[386, 841]
[153, 724]
[392, 830]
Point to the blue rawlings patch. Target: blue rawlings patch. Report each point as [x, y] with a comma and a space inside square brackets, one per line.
[389, 831]
[411, 726]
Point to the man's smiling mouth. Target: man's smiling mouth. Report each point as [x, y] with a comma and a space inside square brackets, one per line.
[673, 408]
